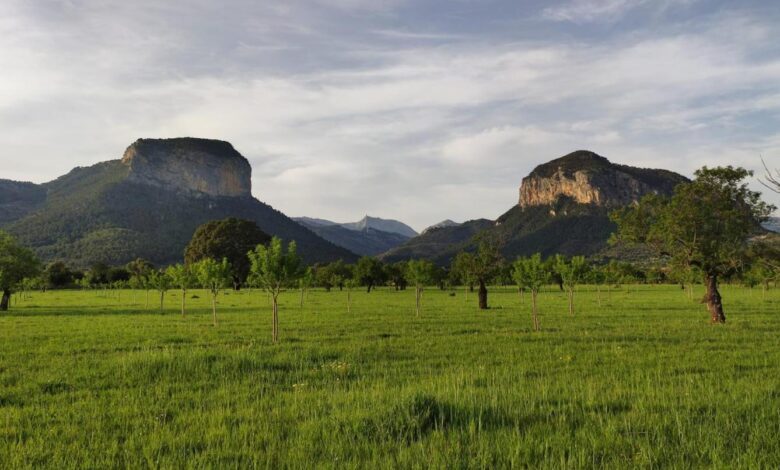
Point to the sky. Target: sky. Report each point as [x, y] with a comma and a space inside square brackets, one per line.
[418, 110]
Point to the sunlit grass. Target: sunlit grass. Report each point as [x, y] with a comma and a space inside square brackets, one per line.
[638, 380]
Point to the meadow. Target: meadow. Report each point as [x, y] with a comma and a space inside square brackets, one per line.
[639, 379]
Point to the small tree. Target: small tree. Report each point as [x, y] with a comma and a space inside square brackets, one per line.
[161, 282]
[16, 264]
[213, 276]
[706, 223]
[305, 282]
[571, 273]
[419, 273]
[274, 270]
[182, 277]
[532, 274]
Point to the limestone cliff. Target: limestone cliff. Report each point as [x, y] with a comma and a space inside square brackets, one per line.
[588, 178]
[190, 165]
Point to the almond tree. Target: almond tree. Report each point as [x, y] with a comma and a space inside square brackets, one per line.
[305, 282]
[213, 276]
[184, 278]
[571, 273]
[706, 223]
[274, 270]
[160, 281]
[420, 273]
[532, 274]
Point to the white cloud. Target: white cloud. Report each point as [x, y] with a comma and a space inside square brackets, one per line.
[338, 123]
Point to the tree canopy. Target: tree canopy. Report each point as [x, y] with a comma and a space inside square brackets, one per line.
[229, 239]
[706, 223]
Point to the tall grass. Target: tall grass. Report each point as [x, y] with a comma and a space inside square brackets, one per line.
[97, 381]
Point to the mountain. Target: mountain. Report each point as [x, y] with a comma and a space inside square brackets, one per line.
[384, 225]
[148, 204]
[563, 208]
[442, 224]
[773, 224]
[368, 237]
[439, 245]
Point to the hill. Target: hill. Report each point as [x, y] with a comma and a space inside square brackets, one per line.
[370, 236]
[563, 208]
[147, 204]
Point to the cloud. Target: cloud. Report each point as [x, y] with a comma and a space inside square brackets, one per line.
[607, 11]
[394, 109]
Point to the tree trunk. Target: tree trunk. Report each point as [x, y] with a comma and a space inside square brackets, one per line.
[571, 301]
[214, 308]
[183, 302]
[417, 293]
[147, 300]
[598, 294]
[534, 312]
[483, 294]
[369, 287]
[276, 321]
[713, 300]
[301, 298]
[6, 301]
[349, 301]
[162, 301]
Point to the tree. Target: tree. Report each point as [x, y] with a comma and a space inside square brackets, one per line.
[229, 239]
[16, 264]
[58, 275]
[184, 278]
[305, 282]
[419, 273]
[706, 223]
[771, 179]
[369, 272]
[481, 267]
[213, 276]
[571, 273]
[531, 273]
[98, 274]
[461, 271]
[161, 282]
[396, 273]
[273, 269]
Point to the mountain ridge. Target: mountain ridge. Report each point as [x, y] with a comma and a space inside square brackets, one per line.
[108, 213]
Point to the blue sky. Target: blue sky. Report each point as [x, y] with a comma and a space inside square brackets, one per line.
[418, 110]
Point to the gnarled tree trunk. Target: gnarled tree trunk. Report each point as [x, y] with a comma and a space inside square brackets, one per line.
[483, 303]
[713, 300]
[6, 301]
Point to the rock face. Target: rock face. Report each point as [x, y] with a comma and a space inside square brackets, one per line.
[189, 165]
[588, 178]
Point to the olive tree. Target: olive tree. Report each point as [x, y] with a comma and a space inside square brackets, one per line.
[213, 276]
[16, 263]
[531, 273]
[481, 267]
[706, 223]
[274, 269]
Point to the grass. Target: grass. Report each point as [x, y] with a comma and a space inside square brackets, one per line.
[95, 381]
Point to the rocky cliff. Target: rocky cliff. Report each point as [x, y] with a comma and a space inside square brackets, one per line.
[588, 178]
[189, 165]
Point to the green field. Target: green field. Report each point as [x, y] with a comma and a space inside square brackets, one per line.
[91, 380]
